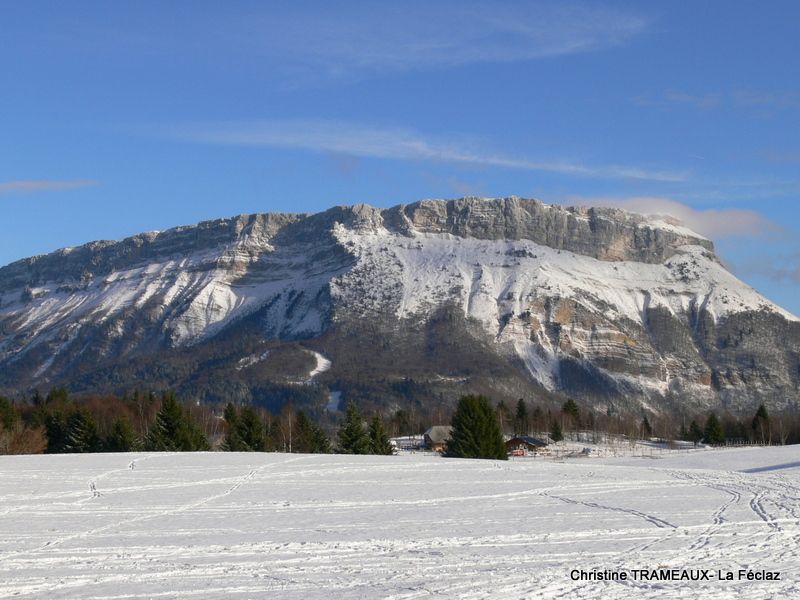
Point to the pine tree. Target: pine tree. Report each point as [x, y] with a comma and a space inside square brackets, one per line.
[571, 410]
[695, 433]
[713, 433]
[320, 443]
[81, 433]
[647, 429]
[56, 429]
[174, 429]
[476, 431]
[378, 438]
[353, 439]
[555, 431]
[122, 437]
[309, 437]
[232, 441]
[250, 431]
[8, 414]
[521, 420]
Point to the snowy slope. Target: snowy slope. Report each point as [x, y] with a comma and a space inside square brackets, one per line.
[596, 303]
[301, 526]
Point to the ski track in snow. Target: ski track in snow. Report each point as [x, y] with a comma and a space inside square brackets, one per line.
[235, 525]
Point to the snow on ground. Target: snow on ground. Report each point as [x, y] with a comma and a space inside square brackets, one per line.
[334, 400]
[322, 365]
[216, 525]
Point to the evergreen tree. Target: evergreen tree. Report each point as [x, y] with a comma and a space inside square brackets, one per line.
[570, 409]
[81, 435]
[122, 437]
[353, 439]
[56, 429]
[309, 437]
[521, 420]
[476, 431]
[555, 431]
[695, 433]
[647, 429]
[378, 438]
[232, 442]
[174, 429]
[760, 425]
[713, 432]
[250, 431]
[8, 414]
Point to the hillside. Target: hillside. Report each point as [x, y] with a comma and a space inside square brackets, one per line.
[411, 304]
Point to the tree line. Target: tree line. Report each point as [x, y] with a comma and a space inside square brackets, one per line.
[57, 423]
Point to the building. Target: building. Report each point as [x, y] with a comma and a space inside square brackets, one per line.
[408, 443]
[436, 437]
[524, 444]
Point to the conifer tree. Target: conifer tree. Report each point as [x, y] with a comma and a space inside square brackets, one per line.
[174, 429]
[309, 437]
[56, 429]
[353, 439]
[713, 432]
[232, 441]
[556, 434]
[250, 431]
[695, 433]
[81, 435]
[476, 431]
[571, 410]
[647, 429]
[378, 438]
[521, 420]
[122, 437]
[320, 443]
[8, 414]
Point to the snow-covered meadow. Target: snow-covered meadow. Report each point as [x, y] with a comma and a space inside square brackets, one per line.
[213, 525]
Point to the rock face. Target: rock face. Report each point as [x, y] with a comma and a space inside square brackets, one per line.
[429, 300]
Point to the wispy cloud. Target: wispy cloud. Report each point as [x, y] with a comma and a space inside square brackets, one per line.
[678, 97]
[765, 99]
[715, 224]
[782, 157]
[351, 37]
[394, 143]
[784, 268]
[741, 99]
[43, 185]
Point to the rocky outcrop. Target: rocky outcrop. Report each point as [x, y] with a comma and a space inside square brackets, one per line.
[505, 295]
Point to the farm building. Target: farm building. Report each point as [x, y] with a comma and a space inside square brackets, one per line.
[436, 437]
[524, 444]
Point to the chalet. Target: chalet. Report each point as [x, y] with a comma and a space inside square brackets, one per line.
[436, 437]
[524, 444]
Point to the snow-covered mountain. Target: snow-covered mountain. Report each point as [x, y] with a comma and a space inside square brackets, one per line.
[418, 302]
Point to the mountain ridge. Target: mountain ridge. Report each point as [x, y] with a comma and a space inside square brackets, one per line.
[611, 307]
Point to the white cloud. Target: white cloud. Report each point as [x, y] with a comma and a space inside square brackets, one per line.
[43, 185]
[712, 223]
[428, 35]
[398, 144]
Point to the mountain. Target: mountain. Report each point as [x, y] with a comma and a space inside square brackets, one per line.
[408, 305]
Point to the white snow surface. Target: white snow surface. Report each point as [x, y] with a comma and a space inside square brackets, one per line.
[322, 365]
[227, 525]
[503, 284]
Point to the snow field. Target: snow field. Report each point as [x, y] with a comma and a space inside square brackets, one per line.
[210, 525]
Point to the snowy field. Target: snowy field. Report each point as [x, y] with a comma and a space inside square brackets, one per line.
[214, 525]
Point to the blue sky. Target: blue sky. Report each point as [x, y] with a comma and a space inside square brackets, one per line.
[117, 118]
